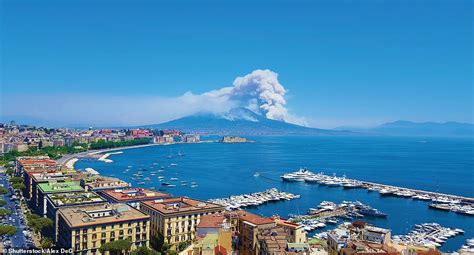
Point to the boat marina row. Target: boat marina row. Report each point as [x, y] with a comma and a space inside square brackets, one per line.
[428, 235]
[254, 199]
[458, 204]
[328, 212]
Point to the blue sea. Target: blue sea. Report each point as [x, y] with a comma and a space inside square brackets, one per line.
[220, 170]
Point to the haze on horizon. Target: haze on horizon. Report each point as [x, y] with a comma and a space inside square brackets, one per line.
[319, 64]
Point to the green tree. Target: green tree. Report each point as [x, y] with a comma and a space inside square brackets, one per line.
[4, 212]
[10, 171]
[7, 230]
[46, 243]
[182, 245]
[18, 186]
[116, 247]
[2, 202]
[38, 223]
[16, 179]
[143, 250]
[3, 191]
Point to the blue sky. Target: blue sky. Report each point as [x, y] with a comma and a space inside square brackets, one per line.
[356, 63]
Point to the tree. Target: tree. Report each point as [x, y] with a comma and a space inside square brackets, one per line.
[4, 212]
[38, 223]
[143, 250]
[116, 247]
[19, 186]
[2, 202]
[3, 191]
[10, 171]
[46, 243]
[7, 230]
[182, 245]
[16, 179]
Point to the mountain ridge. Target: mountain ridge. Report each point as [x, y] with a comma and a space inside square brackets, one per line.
[411, 128]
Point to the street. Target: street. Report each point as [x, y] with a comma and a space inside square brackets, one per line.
[17, 219]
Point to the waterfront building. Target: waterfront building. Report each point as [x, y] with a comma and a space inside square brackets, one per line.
[99, 183]
[214, 236]
[248, 227]
[39, 201]
[191, 138]
[337, 240]
[359, 238]
[132, 196]
[233, 139]
[86, 228]
[295, 232]
[38, 163]
[175, 219]
[28, 181]
[55, 201]
[272, 241]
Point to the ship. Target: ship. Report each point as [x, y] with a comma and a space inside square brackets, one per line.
[298, 176]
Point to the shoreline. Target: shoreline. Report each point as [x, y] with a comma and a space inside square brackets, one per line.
[71, 159]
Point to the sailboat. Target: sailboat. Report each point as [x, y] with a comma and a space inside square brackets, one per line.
[169, 156]
[181, 154]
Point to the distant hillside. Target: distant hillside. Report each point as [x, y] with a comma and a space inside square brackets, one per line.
[240, 122]
[408, 128]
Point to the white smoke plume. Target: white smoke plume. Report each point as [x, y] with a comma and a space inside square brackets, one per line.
[260, 91]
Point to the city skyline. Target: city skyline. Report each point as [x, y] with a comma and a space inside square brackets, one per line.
[86, 63]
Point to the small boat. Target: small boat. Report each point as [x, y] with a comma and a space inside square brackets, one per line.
[165, 183]
[173, 164]
[256, 174]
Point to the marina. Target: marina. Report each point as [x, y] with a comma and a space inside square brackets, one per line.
[428, 235]
[328, 212]
[253, 199]
[457, 204]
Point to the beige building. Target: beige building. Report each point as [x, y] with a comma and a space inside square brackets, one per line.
[86, 228]
[175, 219]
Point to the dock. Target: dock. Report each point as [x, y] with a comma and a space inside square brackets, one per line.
[458, 204]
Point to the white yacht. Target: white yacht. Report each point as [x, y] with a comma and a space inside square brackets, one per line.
[298, 176]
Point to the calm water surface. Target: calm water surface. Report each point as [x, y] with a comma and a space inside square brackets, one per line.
[435, 164]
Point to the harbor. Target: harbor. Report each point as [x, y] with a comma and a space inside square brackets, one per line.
[254, 199]
[428, 235]
[453, 203]
[328, 212]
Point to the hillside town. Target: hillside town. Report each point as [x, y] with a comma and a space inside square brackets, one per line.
[50, 206]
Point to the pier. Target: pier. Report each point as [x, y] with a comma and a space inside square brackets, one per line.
[441, 201]
[254, 199]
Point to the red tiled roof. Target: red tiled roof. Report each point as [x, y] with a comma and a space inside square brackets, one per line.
[124, 195]
[253, 218]
[211, 221]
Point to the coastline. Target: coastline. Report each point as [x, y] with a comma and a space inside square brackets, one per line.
[70, 160]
